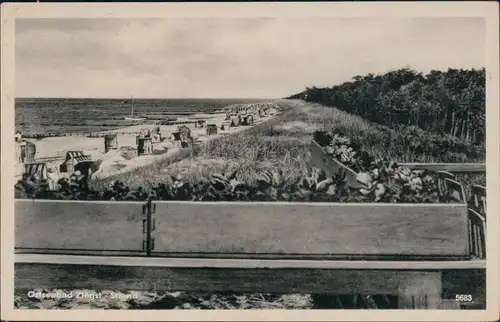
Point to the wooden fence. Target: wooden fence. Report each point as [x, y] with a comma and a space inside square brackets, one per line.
[413, 253]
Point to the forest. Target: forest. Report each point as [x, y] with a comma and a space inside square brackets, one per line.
[448, 102]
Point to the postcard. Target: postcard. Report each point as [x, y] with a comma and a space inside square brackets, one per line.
[302, 161]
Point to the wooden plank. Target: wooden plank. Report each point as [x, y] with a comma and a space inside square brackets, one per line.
[332, 167]
[246, 263]
[327, 281]
[416, 285]
[79, 252]
[349, 174]
[455, 260]
[234, 228]
[311, 228]
[78, 225]
[448, 167]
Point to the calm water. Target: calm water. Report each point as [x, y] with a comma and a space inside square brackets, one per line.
[39, 115]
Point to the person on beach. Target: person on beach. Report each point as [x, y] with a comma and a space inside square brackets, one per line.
[22, 156]
[22, 151]
[156, 134]
[18, 136]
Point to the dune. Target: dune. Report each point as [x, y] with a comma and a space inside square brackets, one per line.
[116, 164]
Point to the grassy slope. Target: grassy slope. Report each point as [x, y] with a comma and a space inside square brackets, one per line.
[281, 144]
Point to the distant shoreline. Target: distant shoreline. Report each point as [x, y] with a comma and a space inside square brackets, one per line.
[151, 99]
[35, 117]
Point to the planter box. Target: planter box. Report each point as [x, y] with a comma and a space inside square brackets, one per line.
[332, 167]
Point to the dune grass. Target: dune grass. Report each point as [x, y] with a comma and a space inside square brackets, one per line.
[281, 144]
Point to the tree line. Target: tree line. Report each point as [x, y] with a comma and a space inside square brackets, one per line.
[445, 102]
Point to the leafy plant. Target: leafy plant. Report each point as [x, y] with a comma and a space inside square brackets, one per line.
[381, 180]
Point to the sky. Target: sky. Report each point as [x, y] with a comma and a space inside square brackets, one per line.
[230, 58]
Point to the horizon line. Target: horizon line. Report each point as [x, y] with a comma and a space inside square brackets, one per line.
[424, 72]
[150, 98]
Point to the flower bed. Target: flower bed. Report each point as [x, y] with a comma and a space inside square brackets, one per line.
[379, 180]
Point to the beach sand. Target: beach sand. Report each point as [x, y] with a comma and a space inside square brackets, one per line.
[52, 150]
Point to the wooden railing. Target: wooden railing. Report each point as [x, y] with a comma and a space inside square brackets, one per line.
[276, 247]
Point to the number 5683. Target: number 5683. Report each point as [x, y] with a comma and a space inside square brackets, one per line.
[463, 297]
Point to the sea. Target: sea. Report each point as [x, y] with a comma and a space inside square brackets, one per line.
[69, 115]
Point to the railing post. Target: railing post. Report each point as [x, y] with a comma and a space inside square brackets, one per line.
[477, 221]
[148, 226]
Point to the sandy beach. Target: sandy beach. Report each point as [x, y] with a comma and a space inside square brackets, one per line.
[52, 150]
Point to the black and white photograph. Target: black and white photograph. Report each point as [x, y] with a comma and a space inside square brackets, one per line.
[258, 161]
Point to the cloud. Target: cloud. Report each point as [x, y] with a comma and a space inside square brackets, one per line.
[254, 57]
